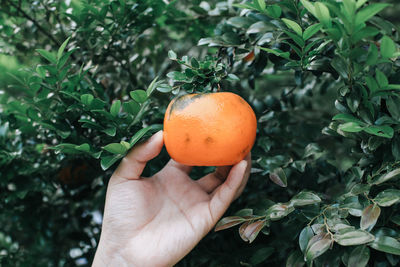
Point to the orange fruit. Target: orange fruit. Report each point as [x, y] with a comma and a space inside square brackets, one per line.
[211, 129]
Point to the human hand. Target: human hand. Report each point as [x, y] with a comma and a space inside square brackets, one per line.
[156, 221]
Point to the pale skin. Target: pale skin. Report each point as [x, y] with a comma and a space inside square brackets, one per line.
[156, 221]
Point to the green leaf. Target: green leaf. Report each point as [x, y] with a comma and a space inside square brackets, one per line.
[350, 8]
[351, 127]
[139, 134]
[372, 57]
[393, 87]
[47, 55]
[388, 47]
[300, 165]
[139, 96]
[231, 39]
[66, 148]
[276, 52]
[97, 104]
[176, 75]
[278, 176]
[84, 147]
[260, 255]
[172, 55]
[388, 176]
[125, 144]
[259, 27]
[261, 4]
[62, 48]
[245, 6]
[131, 107]
[371, 83]
[322, 14]
[228, 222]
[370, 216]
[108, 161]
[305, 235]
[304, 198]
[64, 58]
[381, 79]
[317, 246]
[353, 237]
[295, 259]
[273, 11]
[309, 6]
[164, 88]
[360, 3]
[340, 66]
[311, 30]
[232, 77]
[87, 99]
[115, 148]
[194, 63]
[348, 118]
[382, 131]
[396, 219]
[244, 212]
[364, 33]
[388, 197]
[297, 39]
[386, 244]
[294, 26]
[359, 257]
[115, 107]
[368, 12]
[153, 85]
[278, 211]
[240, 22]
[110, 131]
[396, 143]
[41, 71]
[90, 124]
[358, 189]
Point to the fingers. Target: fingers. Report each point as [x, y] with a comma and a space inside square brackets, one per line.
[212, 180]
[246, 176]
[226, 192]
[178, 166]
[131, 167]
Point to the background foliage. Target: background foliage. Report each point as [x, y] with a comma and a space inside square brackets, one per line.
[81, 82]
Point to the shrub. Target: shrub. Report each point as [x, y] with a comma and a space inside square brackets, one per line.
[323, 78]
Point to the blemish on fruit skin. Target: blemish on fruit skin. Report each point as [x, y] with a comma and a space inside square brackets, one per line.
[243, 152]
[187, 138]
[172, 107]
[182, 102]
[242, 101]
[209, 140]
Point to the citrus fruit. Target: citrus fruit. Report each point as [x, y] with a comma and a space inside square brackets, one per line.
[210, 129]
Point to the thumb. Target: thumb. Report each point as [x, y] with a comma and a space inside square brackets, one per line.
[132, 165]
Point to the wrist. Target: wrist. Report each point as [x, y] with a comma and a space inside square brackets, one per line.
[107, 255]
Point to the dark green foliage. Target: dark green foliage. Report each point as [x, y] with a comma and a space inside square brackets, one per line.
[322, 76]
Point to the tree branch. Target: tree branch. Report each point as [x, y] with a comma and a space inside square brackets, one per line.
[40, 28]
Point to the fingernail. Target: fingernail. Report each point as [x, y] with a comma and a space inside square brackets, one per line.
[154, 136]
[157, 133]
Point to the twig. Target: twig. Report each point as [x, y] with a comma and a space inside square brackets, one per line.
[40, 28]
